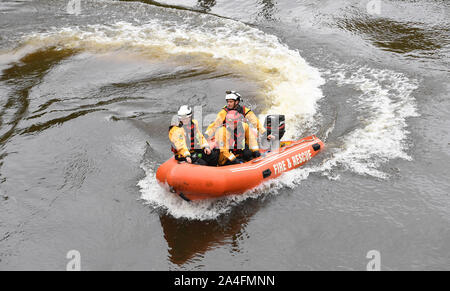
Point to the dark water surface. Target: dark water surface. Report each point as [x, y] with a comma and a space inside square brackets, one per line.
[86, 99]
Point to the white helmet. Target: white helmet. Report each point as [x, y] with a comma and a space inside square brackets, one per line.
[184, 111]
[233, 95]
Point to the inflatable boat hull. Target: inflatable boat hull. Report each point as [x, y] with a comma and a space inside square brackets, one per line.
[195, 182]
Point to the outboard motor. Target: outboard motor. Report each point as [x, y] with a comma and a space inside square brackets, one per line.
[275, 125]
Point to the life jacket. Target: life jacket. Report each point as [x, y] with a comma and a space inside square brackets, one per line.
[192, 128]
[238, 137]
[240, 109]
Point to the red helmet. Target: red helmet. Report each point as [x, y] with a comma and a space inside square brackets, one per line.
[233, 118]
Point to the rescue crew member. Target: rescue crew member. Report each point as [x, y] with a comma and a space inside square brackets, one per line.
[233, 99]
[237, 143]
[188, 142]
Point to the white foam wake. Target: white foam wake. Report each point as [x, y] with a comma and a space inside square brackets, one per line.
[384, 104]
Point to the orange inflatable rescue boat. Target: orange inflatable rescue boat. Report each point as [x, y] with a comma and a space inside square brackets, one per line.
[195, 182]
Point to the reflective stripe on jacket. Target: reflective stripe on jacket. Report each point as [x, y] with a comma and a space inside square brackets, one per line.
[182, 141]
[225, 141]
